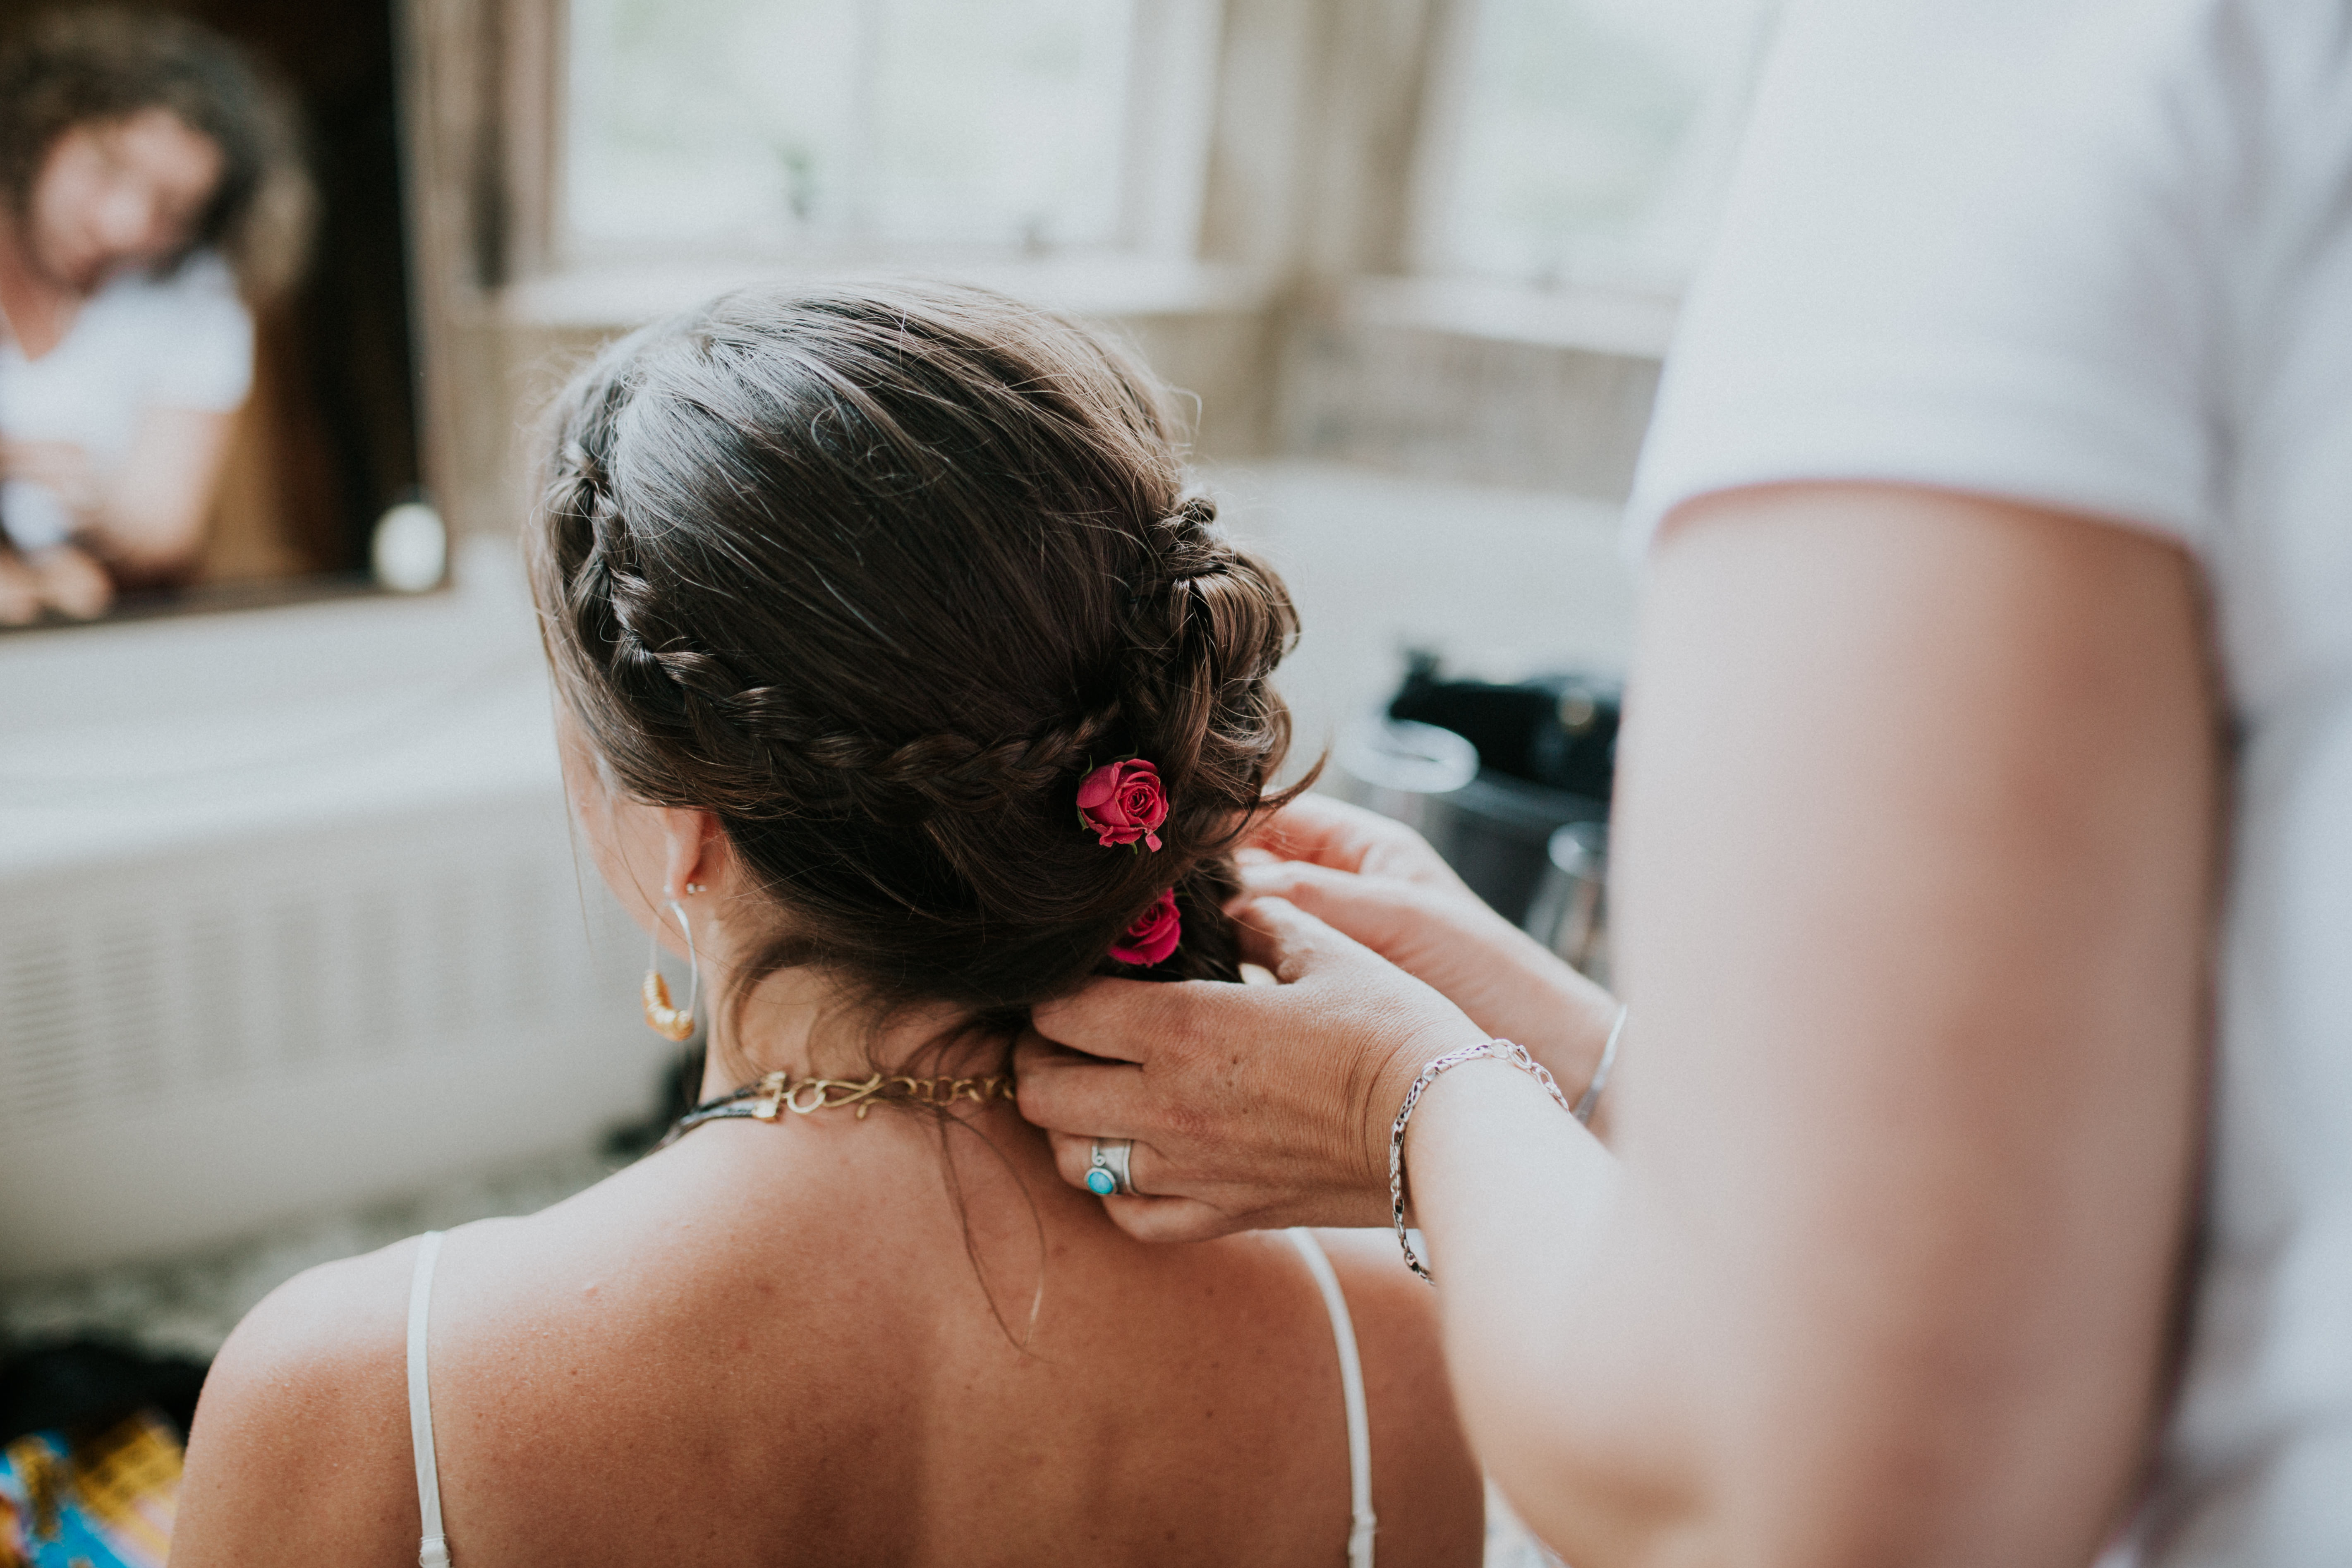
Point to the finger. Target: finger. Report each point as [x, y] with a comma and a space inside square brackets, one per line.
[1278, 935]
[1147, 1213]
[1272, 877]
[1128, 1020]
[1350, 838]
[1074, 1157]
[1033, 1053]
[1289, 879]
[1379, 912]
[1320, 829]
[1170, 1219]
[1067, 1094]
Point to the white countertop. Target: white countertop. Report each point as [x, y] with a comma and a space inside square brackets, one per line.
[121, 741]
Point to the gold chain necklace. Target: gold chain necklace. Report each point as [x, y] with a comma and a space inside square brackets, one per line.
[771, 1096]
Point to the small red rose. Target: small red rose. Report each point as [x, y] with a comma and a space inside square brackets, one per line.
[1122, 801]
[1154, 934]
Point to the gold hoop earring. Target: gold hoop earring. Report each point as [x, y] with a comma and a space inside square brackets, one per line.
[672, 1024]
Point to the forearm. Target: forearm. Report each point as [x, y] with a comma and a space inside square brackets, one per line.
[151, 512]
[1579, 1408]
[139, 530]
[1527, 993]
[1656, 1374]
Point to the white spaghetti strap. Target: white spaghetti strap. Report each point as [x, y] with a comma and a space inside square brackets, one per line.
[1362, 1523]
[433, 1550]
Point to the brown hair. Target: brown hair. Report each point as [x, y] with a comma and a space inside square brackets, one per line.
[877, 574]
[89, 65]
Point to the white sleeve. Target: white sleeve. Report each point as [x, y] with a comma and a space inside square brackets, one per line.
[1969, 245]
[199, 340]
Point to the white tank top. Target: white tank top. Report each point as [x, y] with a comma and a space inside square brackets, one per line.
[433, 1550]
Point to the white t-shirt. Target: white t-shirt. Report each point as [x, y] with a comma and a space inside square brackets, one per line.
[139, 342]
[2097, 255]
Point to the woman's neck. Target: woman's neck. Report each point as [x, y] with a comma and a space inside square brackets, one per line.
[806, 1022]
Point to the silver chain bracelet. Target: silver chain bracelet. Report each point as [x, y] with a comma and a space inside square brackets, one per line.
[1500, 1051]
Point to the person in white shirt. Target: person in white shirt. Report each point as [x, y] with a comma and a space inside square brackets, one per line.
[1977, 1185]
[145, 173]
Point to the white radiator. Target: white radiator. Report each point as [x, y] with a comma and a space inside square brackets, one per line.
[290, 920]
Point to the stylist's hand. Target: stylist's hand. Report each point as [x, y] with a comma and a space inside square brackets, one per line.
[1250, 1106]
[1380, 882]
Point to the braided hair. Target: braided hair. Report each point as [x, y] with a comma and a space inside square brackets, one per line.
[877, 575]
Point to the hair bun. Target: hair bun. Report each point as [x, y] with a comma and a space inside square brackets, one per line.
[1189, 545]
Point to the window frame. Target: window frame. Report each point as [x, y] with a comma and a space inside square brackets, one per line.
[1440, 145]
[1167, 122]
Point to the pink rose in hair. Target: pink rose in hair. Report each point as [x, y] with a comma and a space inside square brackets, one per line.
[1154, 934]
[1122, 801]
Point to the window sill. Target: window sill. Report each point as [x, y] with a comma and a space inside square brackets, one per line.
[616, 296]
[1619, 322]
[158, 736]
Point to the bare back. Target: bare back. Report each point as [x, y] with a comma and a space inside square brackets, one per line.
[775, 1344]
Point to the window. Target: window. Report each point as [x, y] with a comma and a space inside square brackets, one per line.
[865, 126]
[1587, 140]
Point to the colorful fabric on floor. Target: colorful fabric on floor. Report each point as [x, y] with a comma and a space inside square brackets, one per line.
[107, 1503]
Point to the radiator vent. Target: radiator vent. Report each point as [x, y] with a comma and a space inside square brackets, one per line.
[200, 974]
[307, 935]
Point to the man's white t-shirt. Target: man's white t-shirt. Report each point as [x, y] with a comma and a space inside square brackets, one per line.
[184, 341]
[2097, 255]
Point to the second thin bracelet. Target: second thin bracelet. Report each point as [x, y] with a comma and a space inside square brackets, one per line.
[1591, 1098]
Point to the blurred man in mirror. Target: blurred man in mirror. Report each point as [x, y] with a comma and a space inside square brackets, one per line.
[147, 182]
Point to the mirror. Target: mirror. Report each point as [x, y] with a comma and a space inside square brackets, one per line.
[205, 363]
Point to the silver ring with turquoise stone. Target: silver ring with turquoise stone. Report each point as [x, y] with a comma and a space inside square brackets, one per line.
[1106, 1168]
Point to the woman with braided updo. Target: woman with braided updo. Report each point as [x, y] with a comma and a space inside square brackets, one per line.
[905, 685]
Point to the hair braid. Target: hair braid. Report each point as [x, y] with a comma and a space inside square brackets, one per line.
[1203, 647]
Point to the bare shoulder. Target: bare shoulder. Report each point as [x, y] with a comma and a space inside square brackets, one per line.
[1374, 1274]
[1392, 1306]
[298, 1453]
[1419, 1452]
